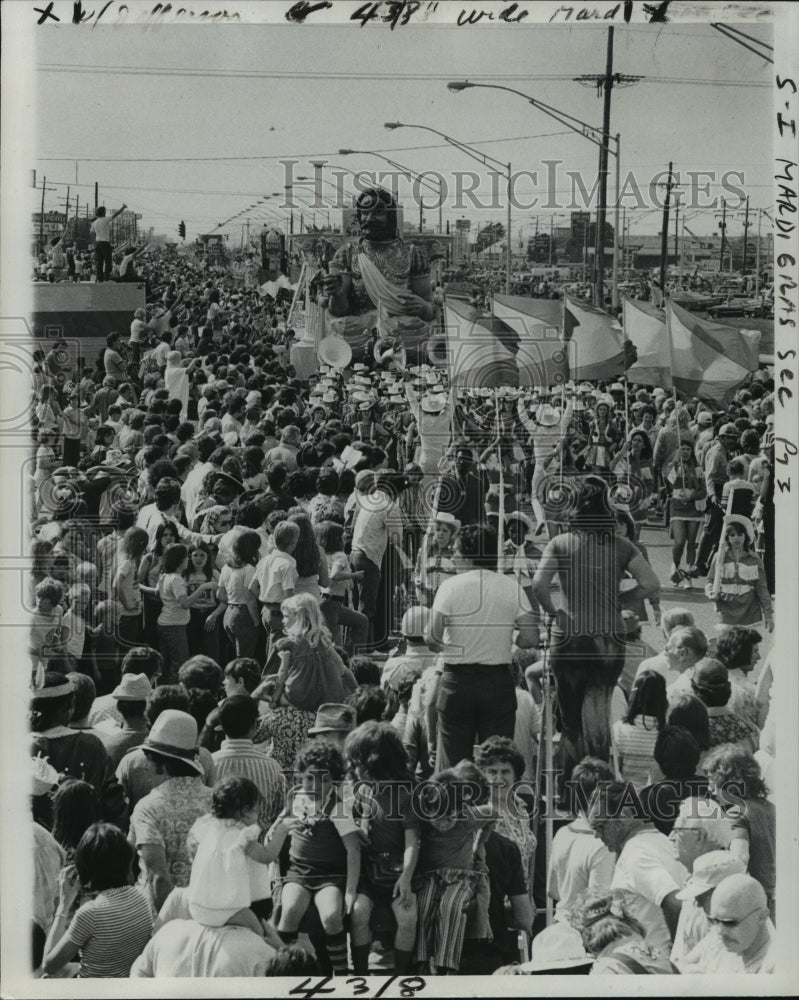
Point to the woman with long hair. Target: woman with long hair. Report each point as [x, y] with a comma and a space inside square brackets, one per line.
[311, 560]
[587, 653]
[126, 589]
[634, 736]
[176, 603]
[330, 535]
[236, 601]
[149, 571]
[203, 625]
[384, 812]
[738, 585]
[311, 672]
[686, 481]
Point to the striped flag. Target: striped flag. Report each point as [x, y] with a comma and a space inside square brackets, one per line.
[645, 327]
[709, 360]
[597, 348]
[541, 357]
[481, 350]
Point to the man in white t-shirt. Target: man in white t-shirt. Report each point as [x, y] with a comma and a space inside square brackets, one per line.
[579, 863]
[646, 861]
[472, 623]
[101, 227]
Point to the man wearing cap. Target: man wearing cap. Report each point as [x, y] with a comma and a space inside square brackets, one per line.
[701, 835]
[716, 475]
[417, 657]
[131, 696]
[475, 619]
[742, 939]
[162, 818]
[334, 723]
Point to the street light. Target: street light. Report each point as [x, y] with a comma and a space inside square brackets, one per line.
[419, 178]
[485, 159]
[598, 138]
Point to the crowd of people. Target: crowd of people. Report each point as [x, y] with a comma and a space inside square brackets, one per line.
[292, 641]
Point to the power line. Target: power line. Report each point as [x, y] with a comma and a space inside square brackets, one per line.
[275, 156]
[350, 75]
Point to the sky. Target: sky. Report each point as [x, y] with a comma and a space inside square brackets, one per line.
[273, 92]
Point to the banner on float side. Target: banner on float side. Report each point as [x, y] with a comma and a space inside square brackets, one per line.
[481, 349]
[645, 328]
[709, 360]
[541, 356]
[596, 346]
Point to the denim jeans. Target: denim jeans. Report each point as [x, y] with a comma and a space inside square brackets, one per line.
[174, 649]
[475, 701]
[241, 630]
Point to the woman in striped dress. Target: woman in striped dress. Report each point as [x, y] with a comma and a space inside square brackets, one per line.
[635, 735]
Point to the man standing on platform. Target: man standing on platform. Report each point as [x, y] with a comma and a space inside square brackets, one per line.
[101, 227]
[472, 623]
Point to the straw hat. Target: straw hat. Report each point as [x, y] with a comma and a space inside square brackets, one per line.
[133, 687]
[433, 402]
[742, 522]
[174, 735]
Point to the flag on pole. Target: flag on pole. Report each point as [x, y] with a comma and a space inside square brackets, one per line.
[541, 357]
[709, 360]
[481, 350]
[595, 340]
[645, 327]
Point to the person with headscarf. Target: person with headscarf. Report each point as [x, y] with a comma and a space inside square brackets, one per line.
[381, 282]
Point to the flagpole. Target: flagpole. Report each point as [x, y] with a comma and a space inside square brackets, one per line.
[501, 525]
[667, 310]
[626, 395]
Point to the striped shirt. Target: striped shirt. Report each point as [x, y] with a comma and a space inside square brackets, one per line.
[111, 931]
[242, 758]
[635, 745]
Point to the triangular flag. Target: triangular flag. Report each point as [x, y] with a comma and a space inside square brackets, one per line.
[597, 349]
[645, 327]
[481, 350]
[709, 360]
[541, 357]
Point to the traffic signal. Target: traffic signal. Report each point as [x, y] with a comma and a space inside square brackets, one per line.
[182, 230]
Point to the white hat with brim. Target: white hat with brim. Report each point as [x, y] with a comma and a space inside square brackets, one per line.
[709, 870]
[547, 416]
[133, 687]
[560, 947]
[444, 517]
[174, 735]
[742, 522]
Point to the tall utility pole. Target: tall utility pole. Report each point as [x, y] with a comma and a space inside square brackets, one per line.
[664, 236]
[746, 234]
[607, 83]
[677, 259]
[41, 217]
[723, 228]
[96, 195]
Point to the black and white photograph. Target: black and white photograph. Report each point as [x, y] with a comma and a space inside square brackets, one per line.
[399, 449]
